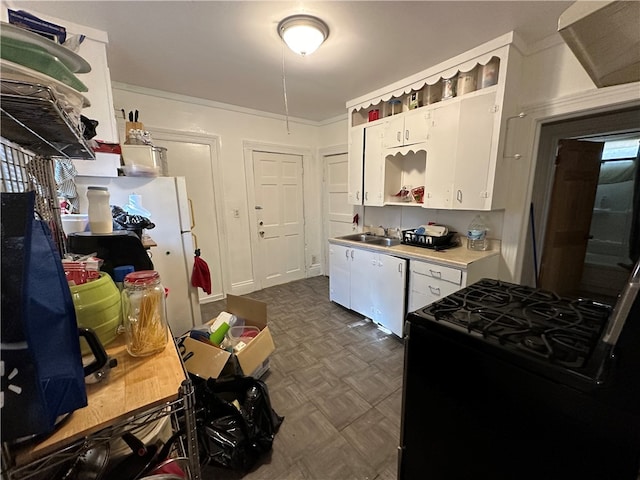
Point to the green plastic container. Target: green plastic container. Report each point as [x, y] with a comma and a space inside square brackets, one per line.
[38, 59]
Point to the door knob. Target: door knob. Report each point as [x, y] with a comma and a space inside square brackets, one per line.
[261, 223]
[261, 232]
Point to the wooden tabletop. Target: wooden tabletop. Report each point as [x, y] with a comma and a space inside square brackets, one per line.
[133, 386]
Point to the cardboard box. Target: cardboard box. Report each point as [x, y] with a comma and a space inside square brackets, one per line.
[209, 361]
[105, 165]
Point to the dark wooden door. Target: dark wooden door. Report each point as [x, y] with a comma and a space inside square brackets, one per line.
[569, 217]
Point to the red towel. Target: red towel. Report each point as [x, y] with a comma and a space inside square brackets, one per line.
[201, 277]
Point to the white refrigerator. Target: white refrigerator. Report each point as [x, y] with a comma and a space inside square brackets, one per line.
[166, 199]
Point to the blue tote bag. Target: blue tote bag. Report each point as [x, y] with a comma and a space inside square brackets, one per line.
[41, 365]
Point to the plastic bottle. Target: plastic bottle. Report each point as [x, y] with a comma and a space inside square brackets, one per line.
[100, 219]
[477, 235]
[144, 313]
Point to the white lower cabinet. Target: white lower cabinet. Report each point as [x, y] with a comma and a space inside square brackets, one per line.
[370, 283]
[388, 291]
[429, 282]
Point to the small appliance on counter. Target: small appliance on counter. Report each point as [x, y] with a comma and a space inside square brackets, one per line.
[121, 247]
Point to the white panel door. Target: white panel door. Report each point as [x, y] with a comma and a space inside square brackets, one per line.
[194, 161]
[339, 213]
[279, 213]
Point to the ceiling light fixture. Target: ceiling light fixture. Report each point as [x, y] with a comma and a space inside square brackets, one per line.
[303, 33]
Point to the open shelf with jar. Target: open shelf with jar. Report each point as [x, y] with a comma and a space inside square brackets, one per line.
[404, 175]
[458, 112]
[468, 79]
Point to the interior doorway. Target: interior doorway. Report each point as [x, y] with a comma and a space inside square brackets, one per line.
[195, 157]
[573, 192]
[600, 280]
[337, 213]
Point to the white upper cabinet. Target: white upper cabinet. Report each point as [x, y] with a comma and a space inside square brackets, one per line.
[373, 166]
[407, 129]
[463, 132]
[441, 155]
[356, 166]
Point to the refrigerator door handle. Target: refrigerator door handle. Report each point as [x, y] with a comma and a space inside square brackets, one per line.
[195, 240]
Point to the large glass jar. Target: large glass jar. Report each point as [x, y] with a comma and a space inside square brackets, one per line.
[100, 219]
[144, 313]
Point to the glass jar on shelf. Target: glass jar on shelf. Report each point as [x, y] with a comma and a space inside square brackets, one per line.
[394, 106]
[144, 313]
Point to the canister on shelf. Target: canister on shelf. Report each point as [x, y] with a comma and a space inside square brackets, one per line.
[144, 313]
[100, 219]
[467, 82]
[449, 87]
[432, 93]
[395, 106]
[415, 99]
[489, 75]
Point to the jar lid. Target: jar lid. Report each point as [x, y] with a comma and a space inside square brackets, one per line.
[395, 101]
[143, 277]
[105, 189]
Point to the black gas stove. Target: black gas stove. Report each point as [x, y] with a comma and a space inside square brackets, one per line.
[504, 381]
[542, 324]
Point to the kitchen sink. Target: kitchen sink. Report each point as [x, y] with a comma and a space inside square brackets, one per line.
[359, 237]
[384, 241]
[371, 239]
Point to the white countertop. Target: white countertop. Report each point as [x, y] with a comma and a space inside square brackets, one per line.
[458, 256]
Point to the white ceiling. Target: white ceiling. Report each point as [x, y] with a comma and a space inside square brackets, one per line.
[230, 52]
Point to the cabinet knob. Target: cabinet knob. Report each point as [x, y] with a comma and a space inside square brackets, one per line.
[459, 196]
[398, 136]
[357, 195]
[406, 134]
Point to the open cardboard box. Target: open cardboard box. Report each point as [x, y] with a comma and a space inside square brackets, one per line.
[209, 361]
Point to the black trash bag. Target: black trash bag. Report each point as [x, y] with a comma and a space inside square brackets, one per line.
[133, 223]
[236, 423]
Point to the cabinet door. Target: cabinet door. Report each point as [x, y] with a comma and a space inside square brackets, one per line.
[416, 126]
[473, 159]
[356, 162]
[441, 156]
[390, 288]
[339, 275]
[374, 166]
[362, 266]
[394, 131]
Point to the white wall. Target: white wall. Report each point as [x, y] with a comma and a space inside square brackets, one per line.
[232, 126]
[551, 77]
[555, 87]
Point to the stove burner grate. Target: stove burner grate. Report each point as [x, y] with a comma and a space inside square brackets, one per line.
[536, 322]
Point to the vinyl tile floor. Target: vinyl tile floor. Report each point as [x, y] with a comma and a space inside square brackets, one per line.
[337, 380]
